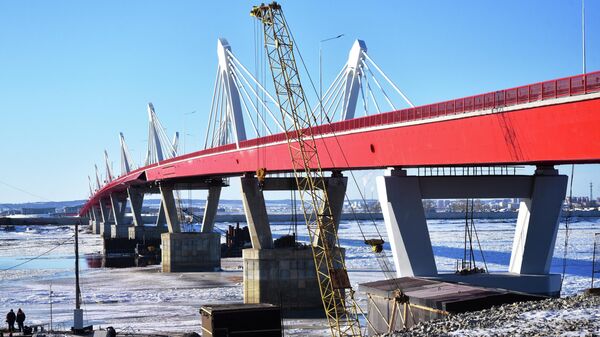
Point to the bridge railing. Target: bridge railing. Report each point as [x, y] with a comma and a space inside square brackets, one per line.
[562, 87]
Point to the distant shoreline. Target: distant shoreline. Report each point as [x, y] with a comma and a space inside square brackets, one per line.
[287, 217]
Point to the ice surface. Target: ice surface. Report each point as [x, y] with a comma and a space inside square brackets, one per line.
[147, 300]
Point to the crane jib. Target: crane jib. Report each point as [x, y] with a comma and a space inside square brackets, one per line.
[332, 275]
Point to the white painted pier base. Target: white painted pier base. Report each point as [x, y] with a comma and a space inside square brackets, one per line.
[541, 197]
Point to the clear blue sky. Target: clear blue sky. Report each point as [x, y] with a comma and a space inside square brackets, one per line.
[75, 73]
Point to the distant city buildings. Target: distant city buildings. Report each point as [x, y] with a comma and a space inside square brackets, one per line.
[32, 211]
[582, 202]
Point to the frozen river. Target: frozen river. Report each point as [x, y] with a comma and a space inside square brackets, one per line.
[144, 299]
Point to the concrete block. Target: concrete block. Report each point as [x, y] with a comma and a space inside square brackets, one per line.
[190, 252]
[143, 233]
[282, 276]
[96, 227]
[105, 229]
[119, 231]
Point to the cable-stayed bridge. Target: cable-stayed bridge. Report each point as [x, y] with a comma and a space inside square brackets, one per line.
[541, 124]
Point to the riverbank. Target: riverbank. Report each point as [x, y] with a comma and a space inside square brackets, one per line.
[570, 316]
[145, 300]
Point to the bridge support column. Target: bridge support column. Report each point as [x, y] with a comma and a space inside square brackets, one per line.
[282, 275]
[336, 193]
[90, 217]
[118, 250]
[97, 220]
[120, 229]
[210, 210]
[146, 239]
[188, 252]
[537, 224]
[541, 199]
[107, 217]
[256, 213]
[147, 235]
[169, 208]
[161, 218]
[404, 217]
[136, 200]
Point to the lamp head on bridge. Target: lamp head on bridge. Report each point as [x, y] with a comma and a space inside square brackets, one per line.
[150, 110]
[222, 48]
[356, 54]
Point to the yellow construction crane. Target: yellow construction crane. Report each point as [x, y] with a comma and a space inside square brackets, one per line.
[336, 292]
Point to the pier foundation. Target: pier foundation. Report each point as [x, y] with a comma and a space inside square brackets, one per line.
[190, 252]
[146, 233]
[282, 276]
[118, 253]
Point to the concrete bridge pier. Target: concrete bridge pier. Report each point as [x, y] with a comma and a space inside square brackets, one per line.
[144, 234]
[210, 210]
[118, 250]
[90, 218]
[284, 275]
[190, 252]
[107, 218]
[120, 229]
[541, 194]
[96, 219]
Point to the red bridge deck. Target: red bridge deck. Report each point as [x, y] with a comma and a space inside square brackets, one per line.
[552, 122]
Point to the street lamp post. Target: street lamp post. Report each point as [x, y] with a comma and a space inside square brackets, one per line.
[321, 72]
[583, 32]
[184, 127]
[185, 134]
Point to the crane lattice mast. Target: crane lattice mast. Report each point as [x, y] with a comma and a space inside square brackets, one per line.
[341, 312]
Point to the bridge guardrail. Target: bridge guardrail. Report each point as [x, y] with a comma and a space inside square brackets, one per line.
[563, 87]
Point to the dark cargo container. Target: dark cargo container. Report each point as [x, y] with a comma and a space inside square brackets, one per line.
[241, 320]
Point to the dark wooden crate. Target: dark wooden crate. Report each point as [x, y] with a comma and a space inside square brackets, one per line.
[241, 320]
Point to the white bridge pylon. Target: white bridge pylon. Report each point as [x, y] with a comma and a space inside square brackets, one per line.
[126, 162]
[90, 185]
[239, 98]
[109, 172]
[355, 80]
[159, 149]
[98, 184]
[159, 146]
[237, 93]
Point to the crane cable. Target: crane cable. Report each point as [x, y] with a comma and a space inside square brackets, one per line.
[363, 199]
[385, 268]
[335, 136]
[469, 234]
[477, 236]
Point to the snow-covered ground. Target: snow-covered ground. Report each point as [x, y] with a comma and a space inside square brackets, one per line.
[147, 300]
